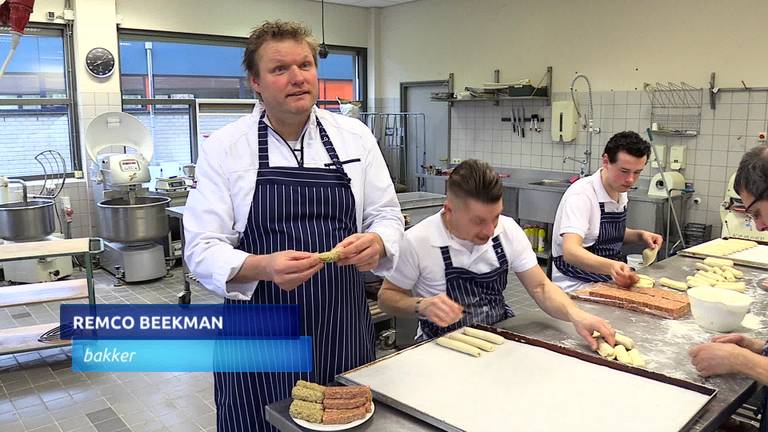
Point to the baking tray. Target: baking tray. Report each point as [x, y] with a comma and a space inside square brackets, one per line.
[756, 257]
[448, 393]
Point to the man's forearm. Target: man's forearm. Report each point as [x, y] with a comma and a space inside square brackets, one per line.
[397, 303]
[254, 268]
[586, 260]
[633, 236]
[553, 300]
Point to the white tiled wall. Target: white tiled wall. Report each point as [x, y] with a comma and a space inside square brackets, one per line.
[712, 157]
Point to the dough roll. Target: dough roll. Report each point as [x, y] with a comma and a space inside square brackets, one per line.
[469, 340]
[484, 335]
[458, 346]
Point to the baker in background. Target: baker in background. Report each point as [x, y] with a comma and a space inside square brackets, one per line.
[276, 187]
[453, 266]
[591, 221]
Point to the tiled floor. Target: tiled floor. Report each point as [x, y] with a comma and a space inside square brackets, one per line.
[39, 392]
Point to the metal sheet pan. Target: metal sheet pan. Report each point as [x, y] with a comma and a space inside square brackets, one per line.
[756, 257]
[454, 392]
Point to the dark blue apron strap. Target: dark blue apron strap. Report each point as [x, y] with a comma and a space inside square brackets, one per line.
[263, 131]
[329, 146]
[499, 250]
[446, 253]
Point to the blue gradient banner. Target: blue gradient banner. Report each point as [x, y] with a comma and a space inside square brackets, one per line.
[179, 322]
[201, 355]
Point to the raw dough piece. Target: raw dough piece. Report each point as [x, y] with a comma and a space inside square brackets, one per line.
[713, 275]
[620, 339]
[625, 341]
[730, 277]
[681, 286]
[332, 255]
[646, 277]
[469, 340]
[643, 283]
[605, 350]
[694, 281]
[458, 346]
[637, 358]
[649, 256]
[702, 266]
[734, 286]
[738, 273]
[718, 262]
[706, 276]
[621, 354]
[484, 335]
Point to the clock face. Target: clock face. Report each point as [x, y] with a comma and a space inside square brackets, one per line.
[100, 62]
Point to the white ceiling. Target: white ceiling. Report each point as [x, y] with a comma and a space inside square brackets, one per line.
[368, 3]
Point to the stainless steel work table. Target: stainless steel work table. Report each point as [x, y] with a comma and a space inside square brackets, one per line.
[664, 343]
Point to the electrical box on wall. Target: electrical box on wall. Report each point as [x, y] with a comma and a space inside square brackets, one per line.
[565, 121]
[677, 157]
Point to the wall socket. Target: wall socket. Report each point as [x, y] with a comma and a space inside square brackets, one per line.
[456, 161]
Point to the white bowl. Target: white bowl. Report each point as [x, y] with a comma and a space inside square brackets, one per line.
[718, 309]
[635, 261]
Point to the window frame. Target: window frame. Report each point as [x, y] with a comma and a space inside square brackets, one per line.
[361, 72]
[75, 148]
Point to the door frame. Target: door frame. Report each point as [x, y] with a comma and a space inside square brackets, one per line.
[405, 85]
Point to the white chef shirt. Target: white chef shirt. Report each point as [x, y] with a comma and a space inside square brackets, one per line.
[579, 213]
[420, 267]
[217, 210]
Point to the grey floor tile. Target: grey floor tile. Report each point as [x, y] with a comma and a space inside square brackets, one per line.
[72, 424]
[111, 425]
[185, 426]
[37, 422]
[13, 427]
[206, 421]
[65, 402]
[8, 418]
[46, 428]
[101, 415]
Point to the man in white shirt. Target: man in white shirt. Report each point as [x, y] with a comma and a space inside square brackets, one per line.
[275, 188]
[590, 224]
[737, 353]
[453, 266]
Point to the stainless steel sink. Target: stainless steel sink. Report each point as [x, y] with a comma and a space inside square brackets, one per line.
[552, 182]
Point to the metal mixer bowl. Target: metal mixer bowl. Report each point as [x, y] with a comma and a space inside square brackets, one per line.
[24, 221]
[144, 221]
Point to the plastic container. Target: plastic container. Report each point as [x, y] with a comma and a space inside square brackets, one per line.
[718, 309]
[541, 237]
[635, 261]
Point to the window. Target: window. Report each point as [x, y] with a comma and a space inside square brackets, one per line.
[156, 67]
[36, 107]
[153, 66]
[342, 75]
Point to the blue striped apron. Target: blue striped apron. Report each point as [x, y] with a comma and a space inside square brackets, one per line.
[481, 294]
[609, 241]
[304, 209]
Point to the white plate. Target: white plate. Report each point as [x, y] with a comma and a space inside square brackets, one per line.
[339, 427]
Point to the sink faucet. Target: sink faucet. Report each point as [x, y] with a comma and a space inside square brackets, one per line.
[23, 188]
[583, 163]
